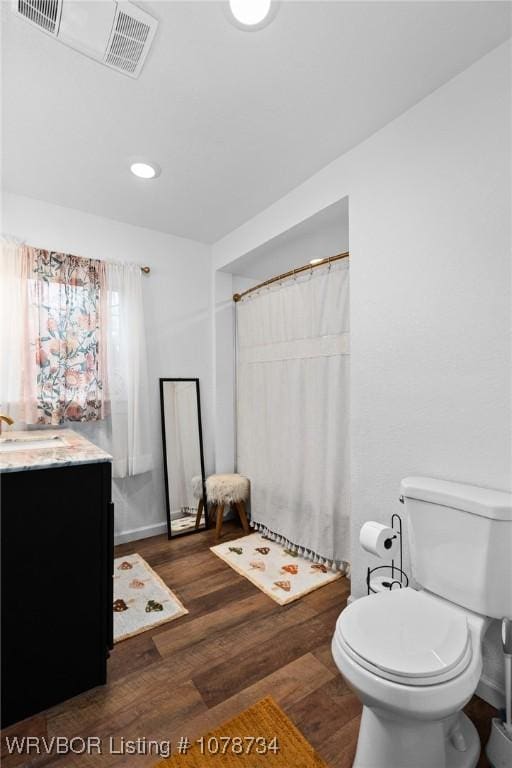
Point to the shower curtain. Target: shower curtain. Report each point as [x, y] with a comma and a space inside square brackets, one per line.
[293, 411]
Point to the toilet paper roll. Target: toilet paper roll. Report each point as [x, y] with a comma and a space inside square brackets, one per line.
[379, 540]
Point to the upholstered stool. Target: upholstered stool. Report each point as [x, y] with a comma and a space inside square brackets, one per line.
[227, 490]
[198, 493]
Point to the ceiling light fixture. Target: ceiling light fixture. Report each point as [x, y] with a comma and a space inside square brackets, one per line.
[251, 14]
[313, 262]
[145, 170]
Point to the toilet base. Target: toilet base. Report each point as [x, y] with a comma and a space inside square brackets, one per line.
[387, 741]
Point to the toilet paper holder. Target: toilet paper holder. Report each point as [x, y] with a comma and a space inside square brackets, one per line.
[389, 576]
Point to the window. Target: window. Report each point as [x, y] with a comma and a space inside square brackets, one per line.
[73, 346]
[65, 337]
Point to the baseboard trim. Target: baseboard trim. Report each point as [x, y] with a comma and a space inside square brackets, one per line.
[145, 532]
[491, 693]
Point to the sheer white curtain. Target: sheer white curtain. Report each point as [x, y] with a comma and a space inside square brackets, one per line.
[127, 385]
[293, 411]
[12, 305]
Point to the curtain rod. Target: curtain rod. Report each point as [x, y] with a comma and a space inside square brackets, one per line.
[292, 273]
[6, 238]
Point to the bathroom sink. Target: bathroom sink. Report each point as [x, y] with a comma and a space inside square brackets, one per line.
[8, 444]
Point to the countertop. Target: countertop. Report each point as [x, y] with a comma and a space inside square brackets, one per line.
[76, 450]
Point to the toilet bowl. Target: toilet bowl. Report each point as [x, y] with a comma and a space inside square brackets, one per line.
[414, 660]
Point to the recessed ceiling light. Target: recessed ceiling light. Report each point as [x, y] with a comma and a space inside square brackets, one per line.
[315, 261]
[145, 170]
[250, 13]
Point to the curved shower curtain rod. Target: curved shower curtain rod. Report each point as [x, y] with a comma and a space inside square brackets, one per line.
[292, 273]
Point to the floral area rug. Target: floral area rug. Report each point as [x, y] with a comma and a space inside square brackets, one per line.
[141, 599]
[282, 574]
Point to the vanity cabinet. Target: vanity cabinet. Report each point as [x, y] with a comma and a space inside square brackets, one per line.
[57, 580]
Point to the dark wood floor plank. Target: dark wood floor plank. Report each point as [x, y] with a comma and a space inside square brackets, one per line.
[287, 685]
[206, 655]
[333, 595]
[212, 623]
[181, 664]
[184, 571]
[243, 669]
[324, 654]
[128, 698]
[149, 715]
[226, 595]
[481, 713]
[314, 715]
[165, 724]
[138, 653]
[211, 582]
[33, 726]
[339, 749]
[106, 701]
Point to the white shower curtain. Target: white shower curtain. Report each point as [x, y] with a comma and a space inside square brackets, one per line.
[293, 411]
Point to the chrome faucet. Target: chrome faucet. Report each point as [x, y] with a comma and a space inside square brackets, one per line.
[7, 420]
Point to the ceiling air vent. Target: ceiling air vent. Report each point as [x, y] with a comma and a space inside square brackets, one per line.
[42, 13]
[130, 41]
[117, 34]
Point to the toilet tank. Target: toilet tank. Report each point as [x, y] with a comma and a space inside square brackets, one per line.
[460, 540]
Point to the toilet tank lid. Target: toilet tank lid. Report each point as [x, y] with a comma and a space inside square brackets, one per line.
[485, 502]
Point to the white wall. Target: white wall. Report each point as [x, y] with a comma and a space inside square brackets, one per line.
[177, 296]
[223, 358]
[430, 294]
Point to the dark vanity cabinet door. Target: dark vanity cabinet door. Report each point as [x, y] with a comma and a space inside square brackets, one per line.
[56, 588]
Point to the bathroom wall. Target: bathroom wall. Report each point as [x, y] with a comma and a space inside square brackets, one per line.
[177, 296]
[223, 328]
[430, 296]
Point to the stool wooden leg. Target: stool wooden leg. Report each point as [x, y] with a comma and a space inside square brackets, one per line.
[240, 505]
[220, 516]
[211, 513]
[200, 508]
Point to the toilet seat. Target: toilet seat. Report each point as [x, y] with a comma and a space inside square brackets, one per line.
[407, 637]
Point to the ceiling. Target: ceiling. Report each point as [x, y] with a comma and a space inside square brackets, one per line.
[319, 236]
[235, 119]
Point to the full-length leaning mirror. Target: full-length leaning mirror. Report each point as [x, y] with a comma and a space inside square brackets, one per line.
[183, 455]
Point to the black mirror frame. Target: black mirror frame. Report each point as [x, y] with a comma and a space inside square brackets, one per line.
[170, 534]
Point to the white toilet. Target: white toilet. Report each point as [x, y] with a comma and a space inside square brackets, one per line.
[414, 656]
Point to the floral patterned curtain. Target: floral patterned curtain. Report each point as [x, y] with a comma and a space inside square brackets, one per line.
[65, 361]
